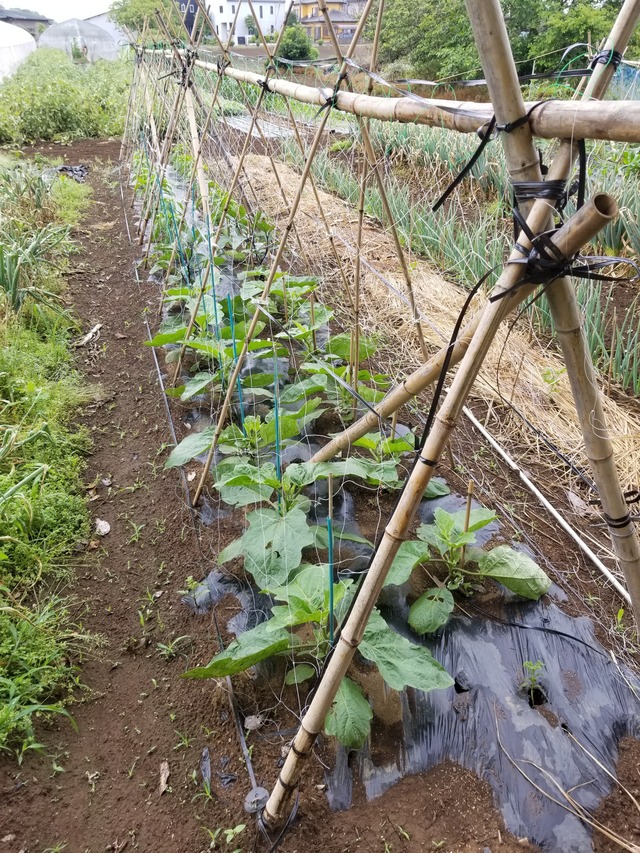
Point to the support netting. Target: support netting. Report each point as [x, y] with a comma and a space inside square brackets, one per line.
[305, 282]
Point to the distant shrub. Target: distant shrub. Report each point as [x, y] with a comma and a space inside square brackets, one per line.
[296, 44]
[50, 97]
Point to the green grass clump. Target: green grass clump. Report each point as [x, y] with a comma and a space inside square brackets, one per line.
[51, 98]
[43, 511]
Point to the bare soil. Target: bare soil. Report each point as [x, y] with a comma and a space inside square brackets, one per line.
[136, 712]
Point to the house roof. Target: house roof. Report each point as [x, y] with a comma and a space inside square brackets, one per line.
[22, 15]
[336, 16]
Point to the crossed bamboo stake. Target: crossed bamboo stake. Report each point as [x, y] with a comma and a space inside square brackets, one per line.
[493, 45]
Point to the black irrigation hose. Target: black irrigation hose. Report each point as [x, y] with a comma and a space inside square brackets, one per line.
[542, 628]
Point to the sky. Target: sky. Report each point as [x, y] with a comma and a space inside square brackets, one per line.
[61, 10]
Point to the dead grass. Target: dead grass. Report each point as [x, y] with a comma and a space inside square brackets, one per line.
[520, 369]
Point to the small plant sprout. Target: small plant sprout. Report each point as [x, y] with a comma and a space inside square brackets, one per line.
[184, 741]
[229, 835]
[137, 530]
[171, 649]
[531, 682]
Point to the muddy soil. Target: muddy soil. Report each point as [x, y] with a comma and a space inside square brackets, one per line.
[136, 713]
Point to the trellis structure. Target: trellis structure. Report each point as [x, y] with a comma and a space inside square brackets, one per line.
[180, 97]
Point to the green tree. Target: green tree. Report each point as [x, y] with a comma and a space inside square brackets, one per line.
[566, 24]
[250, 24]
[292, 19]
[296, 44]
[131, 14]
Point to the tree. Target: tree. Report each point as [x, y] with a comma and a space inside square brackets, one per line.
[292, 19]
[250, 24]
[131, 14]
[296, 44]
[566, 25]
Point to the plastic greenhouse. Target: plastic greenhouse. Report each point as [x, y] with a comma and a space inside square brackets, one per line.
[15, 45]
[80, 39]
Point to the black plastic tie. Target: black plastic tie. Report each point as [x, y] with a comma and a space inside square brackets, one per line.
[617, 523]
[428, 462]
[607, 57]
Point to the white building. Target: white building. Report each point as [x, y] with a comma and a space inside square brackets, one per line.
[269, 14]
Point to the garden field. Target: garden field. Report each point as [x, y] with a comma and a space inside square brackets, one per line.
[242, 474]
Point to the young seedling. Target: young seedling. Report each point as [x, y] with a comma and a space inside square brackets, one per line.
[531, 681]
[184, 741]
[229, 836]
[137, 530]
[170, 650]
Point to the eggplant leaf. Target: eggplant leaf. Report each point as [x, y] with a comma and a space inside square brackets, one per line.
[349, 718]
[431, 610]
[516, 571]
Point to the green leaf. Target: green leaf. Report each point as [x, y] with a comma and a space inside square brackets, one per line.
[321, 535]
[190, 447]
[516, 571]
[437, 488]
[241, 483]
[167, 338]
[410, 554]
[246, 650]
[273, 545]
[340, 345]
[234, 549]
[287, 428]
[401, 662]
[478, 518]
[350, 716]
[302, 474]
[370, 441]
[307, 596]
[305, 388]
[197, 384]
[300, 672]
[431, 610]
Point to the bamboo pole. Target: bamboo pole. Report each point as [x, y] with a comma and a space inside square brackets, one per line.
[560, 168]
[224, 411]
[493, 46]
[616, 121]
[578, 230]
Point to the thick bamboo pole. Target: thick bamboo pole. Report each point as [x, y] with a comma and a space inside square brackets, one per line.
[617, 121]
[493, 46]
[428, 373]
[578, 230]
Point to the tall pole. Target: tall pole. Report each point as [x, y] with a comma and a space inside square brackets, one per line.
[522, 159]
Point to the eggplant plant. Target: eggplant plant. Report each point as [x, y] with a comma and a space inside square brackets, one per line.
[445, 544]
[382, 447]
[305, 605]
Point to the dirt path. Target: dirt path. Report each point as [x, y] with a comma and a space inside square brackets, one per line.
[137, 713]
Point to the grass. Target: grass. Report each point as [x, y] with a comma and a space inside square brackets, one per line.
[43, 512]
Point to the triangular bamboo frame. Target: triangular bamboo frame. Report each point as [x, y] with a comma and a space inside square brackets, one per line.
[564, 121]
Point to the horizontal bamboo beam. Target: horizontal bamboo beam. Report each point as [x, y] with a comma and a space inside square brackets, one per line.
[617, 121]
